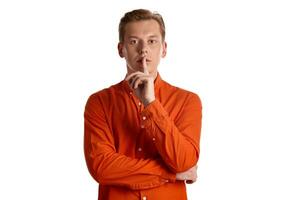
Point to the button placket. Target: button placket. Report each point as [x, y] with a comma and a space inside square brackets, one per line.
[143, 120]
[136, 101]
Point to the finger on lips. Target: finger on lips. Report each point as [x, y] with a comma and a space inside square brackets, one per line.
[138, 77]
[145, 69]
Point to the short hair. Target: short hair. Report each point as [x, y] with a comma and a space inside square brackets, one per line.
[139, 15]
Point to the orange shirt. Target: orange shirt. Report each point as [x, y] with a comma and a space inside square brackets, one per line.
[134, 152]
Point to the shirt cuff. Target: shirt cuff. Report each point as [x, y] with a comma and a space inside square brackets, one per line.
[153, 112]
[169, 177]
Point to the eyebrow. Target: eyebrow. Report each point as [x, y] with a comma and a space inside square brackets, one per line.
[153, 36]
[150, 36]
[132, 37]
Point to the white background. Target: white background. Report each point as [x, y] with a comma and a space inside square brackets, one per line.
[241, 57]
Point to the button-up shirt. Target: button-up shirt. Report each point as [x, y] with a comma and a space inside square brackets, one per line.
[133, 151]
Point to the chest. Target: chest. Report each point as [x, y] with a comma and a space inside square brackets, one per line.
[125, 123]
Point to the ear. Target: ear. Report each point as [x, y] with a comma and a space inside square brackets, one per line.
[120, 49]
[164, 50]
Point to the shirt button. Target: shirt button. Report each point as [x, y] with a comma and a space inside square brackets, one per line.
[153, 139]
[165, 180]
[144, 198]
[140, 103]
[139, 149]
[144, 118]
[130, 93]
[142, 126]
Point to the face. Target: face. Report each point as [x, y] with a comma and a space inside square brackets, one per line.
[142, 39]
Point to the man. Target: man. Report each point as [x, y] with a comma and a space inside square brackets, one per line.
[142, 134]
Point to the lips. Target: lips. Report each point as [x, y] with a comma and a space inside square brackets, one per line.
[141, 60]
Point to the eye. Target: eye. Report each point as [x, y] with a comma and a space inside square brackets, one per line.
[152, 41]
[133, 41]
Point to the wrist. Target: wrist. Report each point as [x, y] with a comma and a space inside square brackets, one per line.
[148, 101]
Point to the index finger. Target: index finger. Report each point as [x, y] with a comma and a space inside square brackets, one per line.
[145, 69]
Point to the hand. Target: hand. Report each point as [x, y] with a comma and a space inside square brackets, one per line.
[190, 175]
[143, 84]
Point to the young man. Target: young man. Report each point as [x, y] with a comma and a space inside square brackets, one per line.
[142, 134]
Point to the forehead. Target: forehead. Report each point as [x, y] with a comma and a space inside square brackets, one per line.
[142, 28]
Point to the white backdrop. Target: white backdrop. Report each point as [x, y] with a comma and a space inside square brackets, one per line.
[241, 57]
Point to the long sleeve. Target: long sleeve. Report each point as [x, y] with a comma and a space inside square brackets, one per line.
[176, 141]
[111, 168]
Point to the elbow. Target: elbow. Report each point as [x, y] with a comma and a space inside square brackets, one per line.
[95, 168]
[185, 166]
[181, 165]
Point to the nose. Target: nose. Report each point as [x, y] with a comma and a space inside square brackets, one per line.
[143, 48]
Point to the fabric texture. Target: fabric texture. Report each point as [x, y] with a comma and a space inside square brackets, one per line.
[134, 152]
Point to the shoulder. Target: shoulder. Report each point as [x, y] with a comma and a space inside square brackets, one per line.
[183, 94]
[113, 89]
[104, 95]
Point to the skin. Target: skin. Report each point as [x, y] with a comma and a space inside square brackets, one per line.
[142, 48]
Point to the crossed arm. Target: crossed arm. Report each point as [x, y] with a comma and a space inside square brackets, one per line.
[177, 144]
[108, 167]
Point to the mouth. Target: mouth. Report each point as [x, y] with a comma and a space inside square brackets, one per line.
[141, 60]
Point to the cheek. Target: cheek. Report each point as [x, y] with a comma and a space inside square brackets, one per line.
[158, 54]
[126, 54]
[129, 52]
[159, 51]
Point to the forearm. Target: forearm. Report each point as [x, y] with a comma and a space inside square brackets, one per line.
[177, 152]
[111, 168]
[178, 144]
